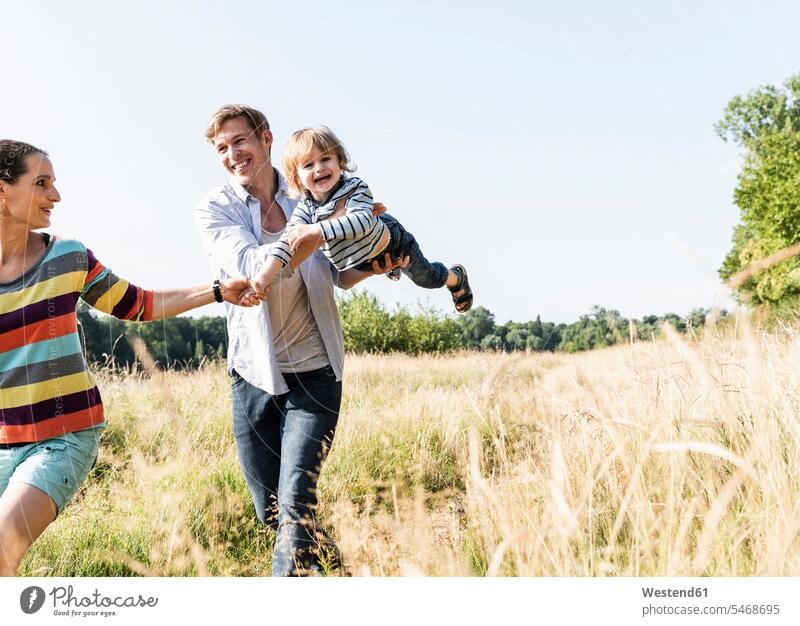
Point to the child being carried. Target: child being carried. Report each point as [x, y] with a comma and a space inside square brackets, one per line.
[335, 212]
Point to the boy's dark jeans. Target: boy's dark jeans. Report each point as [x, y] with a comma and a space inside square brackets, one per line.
[421, 271]
[282, 442]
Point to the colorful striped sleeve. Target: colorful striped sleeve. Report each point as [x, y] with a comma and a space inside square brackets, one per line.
[108, 293]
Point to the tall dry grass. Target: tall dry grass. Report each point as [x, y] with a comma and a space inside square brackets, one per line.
[670, 458]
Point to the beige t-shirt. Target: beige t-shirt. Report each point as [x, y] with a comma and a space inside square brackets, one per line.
[298, 344]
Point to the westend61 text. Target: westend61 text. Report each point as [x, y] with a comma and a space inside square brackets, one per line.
[66, 597]
[691, 592]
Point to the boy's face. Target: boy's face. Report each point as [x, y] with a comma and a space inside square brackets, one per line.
[242, 152]
[319, 172]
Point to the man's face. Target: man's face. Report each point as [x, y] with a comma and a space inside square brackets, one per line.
[243, 153]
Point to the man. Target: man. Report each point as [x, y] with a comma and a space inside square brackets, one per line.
[286, 357]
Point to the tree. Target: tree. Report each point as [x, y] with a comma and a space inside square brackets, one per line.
[369, 327]
[365, 323]
[762, 111]
[766, 123]
[697, 318]
[516, 338]
[476, 324]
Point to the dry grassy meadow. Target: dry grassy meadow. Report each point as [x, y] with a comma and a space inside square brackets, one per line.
[659, 458]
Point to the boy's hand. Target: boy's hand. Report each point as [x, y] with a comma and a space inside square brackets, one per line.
[304, 233]
[241, 291]
[260, 289]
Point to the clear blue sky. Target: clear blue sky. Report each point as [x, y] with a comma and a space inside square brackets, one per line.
[563, 151]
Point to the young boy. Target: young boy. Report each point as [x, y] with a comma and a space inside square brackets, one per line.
[336, 213]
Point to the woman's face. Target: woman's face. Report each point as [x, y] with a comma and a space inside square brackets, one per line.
[30, 200]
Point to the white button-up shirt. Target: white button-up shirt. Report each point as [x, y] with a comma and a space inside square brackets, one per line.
[229, 221]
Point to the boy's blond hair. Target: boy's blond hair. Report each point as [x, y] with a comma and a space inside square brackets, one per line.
[299, 147]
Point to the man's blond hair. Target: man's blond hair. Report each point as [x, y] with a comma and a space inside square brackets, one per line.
[255, 119]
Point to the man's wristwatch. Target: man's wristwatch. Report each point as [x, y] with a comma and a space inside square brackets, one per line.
[217, 291]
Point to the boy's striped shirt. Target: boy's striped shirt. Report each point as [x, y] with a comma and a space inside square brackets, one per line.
[46, 388]
[350, 239]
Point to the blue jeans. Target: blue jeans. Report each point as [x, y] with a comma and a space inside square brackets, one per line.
[282, 442]
[423, 273]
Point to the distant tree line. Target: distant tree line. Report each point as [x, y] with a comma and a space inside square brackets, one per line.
[598, 329]
[179, 342]
[369, 326]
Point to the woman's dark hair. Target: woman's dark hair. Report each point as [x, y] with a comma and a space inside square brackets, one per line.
[12, 159]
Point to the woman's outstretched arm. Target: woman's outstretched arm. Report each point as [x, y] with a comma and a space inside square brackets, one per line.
[171, 302]
[108, 293]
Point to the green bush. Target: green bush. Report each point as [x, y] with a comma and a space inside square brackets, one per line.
[369, 327]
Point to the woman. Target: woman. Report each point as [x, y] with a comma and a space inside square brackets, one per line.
[50, 409]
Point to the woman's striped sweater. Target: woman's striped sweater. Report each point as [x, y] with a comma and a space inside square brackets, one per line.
[46, 388]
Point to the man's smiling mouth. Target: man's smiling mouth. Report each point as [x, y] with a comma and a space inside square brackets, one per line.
[238, 167]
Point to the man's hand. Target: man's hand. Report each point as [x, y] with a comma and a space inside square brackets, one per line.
[389, 264]
[241, 291]
[351, 277]
[304, 233]
[378, 208]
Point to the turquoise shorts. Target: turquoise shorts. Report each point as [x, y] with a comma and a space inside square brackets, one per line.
[57, 466]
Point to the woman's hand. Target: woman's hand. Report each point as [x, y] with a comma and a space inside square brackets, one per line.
[241, 291]
[304, 233]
